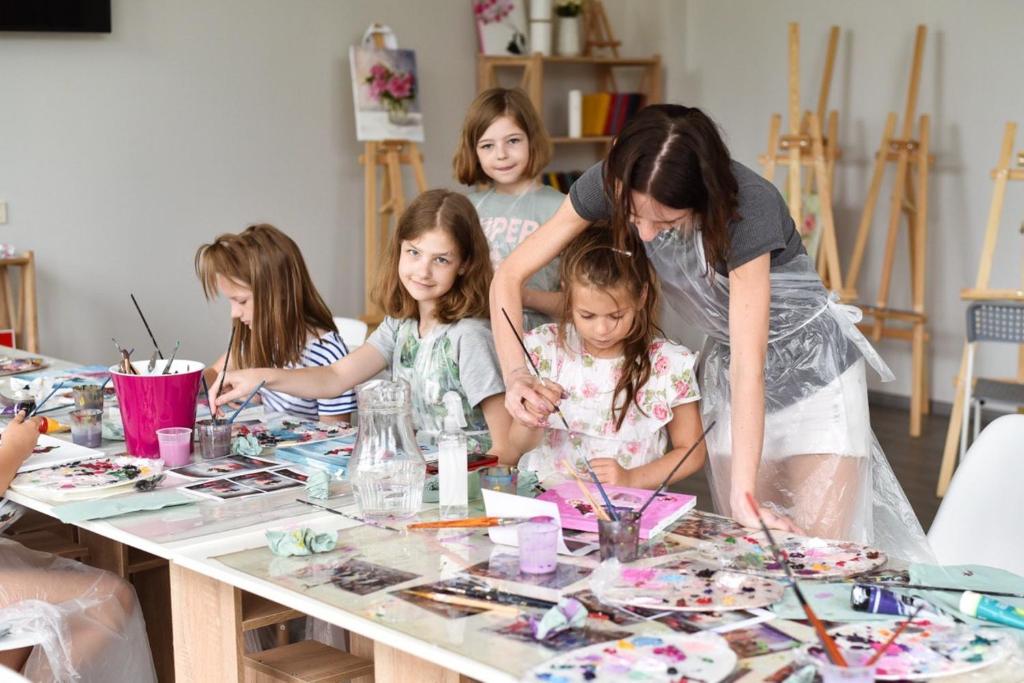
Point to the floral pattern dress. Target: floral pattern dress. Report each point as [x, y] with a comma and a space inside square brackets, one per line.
[590, 384]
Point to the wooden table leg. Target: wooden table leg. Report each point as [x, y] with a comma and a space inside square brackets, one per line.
[396, 666]
[207, 618]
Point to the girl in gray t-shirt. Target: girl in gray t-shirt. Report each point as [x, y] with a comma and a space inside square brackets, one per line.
[783, 371]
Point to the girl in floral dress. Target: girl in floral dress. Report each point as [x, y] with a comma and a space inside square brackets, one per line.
[630, 397]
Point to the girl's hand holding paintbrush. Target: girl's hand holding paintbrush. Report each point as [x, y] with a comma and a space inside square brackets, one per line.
[540, 398]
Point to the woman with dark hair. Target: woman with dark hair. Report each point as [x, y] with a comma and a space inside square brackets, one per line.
[783, 371]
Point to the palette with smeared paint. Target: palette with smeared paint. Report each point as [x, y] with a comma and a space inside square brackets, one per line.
[924, 650]
[698, 657]
[686, 586]
[809, 558]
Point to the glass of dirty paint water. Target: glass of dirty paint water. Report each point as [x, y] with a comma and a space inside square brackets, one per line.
[214, 438]
[87, 427]
[499, 478]
[175, 445]
[88, 396]
[538, 545]
[620, 538]
[830, 673]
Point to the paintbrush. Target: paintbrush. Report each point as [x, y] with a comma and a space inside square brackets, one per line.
[106, 382]
[586, 494]
[346, 515]
[248, 398]
[478, 590]
[948, 589]
[892, 639]
[679, 464]
[497, 608]
[151, 337]
[170, 361]
[48, 397]
[780, 556]
[152, 363]
[468, 523]
[593, 475]
[224, 370]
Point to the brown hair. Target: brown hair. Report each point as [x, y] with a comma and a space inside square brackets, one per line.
[488, 106]
[594, 260]
[287, 308]
[453, 213]
[675, 154]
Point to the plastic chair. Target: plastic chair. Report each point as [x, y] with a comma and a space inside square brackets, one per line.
[352, 332]
[979, 521]
[990, 321]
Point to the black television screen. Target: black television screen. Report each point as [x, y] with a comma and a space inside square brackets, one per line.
[88, 16]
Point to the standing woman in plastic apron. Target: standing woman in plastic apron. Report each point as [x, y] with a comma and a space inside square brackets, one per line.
[784, 367]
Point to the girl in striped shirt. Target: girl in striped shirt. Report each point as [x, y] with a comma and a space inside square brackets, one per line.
[280, 319]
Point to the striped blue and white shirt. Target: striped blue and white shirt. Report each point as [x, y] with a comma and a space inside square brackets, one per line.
[322, 351]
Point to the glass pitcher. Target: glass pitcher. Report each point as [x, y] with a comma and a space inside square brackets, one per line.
[386, 468]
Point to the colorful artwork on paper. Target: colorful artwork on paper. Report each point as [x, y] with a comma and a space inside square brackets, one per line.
[87, 478]
[362, 577]
[386, 89]
[289, 431]
[501, 26]
[51, 452]
[697, 657]
[923, 651]
[809, 558]
[705, 526]
[687, 586]
[16, 366]
[561, 641]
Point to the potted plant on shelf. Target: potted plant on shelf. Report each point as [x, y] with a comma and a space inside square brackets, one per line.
[395, 89]
[568, 13]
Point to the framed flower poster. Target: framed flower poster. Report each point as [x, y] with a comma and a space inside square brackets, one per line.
[385, 88]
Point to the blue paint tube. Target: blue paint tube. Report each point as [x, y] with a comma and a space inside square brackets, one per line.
[990, 609]
[878, 600]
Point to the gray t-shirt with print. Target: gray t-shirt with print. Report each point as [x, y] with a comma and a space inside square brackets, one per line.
[507, 220]
[764, 225]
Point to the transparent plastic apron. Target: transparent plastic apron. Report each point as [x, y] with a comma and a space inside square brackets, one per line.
[430, 368]
[821, 464]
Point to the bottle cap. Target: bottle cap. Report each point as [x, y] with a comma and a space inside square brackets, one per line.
[454, 418]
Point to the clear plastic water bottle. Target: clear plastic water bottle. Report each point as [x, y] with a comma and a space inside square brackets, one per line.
[386, 470]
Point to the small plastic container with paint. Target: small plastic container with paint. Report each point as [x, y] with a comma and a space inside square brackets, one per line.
[538, 545]
[620, 537]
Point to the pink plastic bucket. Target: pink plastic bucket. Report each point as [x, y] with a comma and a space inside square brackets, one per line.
[152, 402]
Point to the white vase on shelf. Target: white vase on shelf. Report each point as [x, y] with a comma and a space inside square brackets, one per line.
[568, 36]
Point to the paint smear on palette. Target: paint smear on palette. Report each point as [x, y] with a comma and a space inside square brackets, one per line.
[924, 650]
[505, 566]
[562, 641]
[810, 558]
[687, 586]
[700, 657]
[760, 639]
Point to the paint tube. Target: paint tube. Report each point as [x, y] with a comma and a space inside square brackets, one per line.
[990, 609]
[47, 425]
[878, 600]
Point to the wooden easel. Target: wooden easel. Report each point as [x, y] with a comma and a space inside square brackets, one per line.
[912, 158]
[805, 145]
[981, 291]
[379, 208]
[597, 30]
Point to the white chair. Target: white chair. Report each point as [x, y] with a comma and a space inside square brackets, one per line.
[352, 332]
[979, 521]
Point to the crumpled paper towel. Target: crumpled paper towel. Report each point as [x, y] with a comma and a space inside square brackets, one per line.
[568, 613]
[303, 541]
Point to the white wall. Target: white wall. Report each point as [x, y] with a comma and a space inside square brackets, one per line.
[121, 153]
[732, 63]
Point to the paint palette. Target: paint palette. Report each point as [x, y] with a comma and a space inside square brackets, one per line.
[690, 587]
[87, 478]
[16, 366]
[924, 650]
[698, 657]
[809, 558]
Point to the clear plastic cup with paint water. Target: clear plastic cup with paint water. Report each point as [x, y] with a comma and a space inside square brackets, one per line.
[538, 545]
[620, 538]
[214, 438]
[87, 427]
[88, 396]
[830, 673]
[175, 445]
[499, 478]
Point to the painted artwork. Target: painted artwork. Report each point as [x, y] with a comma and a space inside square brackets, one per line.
[86, 478]
[699, 657]
[923, 651]
[289, 431]
[505, 566]
[51, 452]
[219, 467]
[385, 88]
[501, 27]
[292, 474]
[15, 366]
[561, 641]
[220, 489]
[688, 587]
[706, 526]
[442, 609]
[809, 558]
[331, 455]
[265, 481]
[362, 577]
[757, 640]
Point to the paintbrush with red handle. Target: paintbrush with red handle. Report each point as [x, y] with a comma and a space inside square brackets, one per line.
[780, 556]
[895, 634]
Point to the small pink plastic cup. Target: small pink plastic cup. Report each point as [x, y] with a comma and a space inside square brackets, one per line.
[175, 445]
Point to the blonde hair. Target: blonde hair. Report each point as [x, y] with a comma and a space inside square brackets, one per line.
[489, 105]
[287, 308]
[453, 213]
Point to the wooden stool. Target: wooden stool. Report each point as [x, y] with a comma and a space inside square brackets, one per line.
[308, 660]
[23, 319]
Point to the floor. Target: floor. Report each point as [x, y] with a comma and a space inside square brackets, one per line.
[915, 461]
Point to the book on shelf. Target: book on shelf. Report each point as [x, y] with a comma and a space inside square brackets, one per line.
[606, 113]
